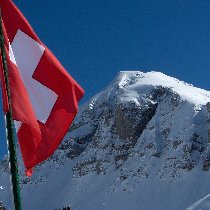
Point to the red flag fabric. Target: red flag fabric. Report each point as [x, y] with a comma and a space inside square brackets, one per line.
[44, 96]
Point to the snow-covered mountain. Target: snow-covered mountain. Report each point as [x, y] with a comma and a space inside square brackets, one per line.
[141, 144]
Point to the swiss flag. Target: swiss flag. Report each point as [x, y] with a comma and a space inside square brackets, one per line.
[44, 96]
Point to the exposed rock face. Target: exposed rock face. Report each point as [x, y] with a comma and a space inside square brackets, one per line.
[157, 124]
[142, 127]
[1, 206]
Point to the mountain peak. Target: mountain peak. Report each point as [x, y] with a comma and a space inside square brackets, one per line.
[138, 80]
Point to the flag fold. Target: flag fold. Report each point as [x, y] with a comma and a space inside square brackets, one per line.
[44, 97]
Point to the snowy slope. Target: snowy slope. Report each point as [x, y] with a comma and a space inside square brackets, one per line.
[202, 204]
[141, 144]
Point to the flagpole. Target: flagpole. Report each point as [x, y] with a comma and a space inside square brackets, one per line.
[10, 128]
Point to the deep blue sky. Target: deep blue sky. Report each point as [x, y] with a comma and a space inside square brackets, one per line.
[96, 39]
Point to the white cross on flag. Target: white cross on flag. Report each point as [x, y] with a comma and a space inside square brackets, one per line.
[44, 96]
